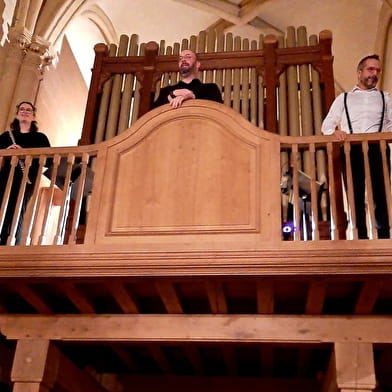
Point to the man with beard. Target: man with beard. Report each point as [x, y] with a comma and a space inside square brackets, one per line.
[190, 87]
[364, 109]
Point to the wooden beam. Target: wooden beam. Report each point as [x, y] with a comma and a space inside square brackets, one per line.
[355, 366]
[318, 258]
[267, 360]
[200, 328]
[169, 383]
[230, 358]
[216, 297]
[222, 8]
[161, 359]
[265, 296]
[329, 383]
[76, 297]
[368, 296]
[195, 359]
[266, 27]
[316, 297]
[169, 297]
[126, 358]
[250, 10]
[39, 366]
[72, 379]
[125, 299]
[32, 298]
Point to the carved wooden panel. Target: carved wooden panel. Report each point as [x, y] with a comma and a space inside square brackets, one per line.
[184, 172]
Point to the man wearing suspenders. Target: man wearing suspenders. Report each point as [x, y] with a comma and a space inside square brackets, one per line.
[364, 109]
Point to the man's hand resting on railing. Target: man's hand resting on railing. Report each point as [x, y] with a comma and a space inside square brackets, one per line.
[177, 97]
[340, 135]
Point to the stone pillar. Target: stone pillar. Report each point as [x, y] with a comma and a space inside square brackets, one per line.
[31, 72]
[355, 367]
[19, 39]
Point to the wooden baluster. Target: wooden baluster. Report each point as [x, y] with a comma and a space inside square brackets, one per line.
[237, 79]
[227, 90]
[245, 85]
[253, 90]
[261, 92]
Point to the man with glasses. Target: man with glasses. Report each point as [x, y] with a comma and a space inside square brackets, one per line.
[364, 109]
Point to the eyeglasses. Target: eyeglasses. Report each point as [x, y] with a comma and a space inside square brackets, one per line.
[28, 110]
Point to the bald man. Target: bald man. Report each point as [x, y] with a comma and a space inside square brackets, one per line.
[190, 87]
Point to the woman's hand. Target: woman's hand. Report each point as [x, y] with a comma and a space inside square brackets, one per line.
[13, 147]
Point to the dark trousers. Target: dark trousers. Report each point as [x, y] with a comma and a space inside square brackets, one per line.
[10, 212]
[377, 182]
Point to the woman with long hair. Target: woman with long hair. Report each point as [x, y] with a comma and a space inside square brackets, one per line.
[23, 133]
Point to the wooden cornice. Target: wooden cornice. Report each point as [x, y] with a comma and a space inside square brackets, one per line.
[287, 258]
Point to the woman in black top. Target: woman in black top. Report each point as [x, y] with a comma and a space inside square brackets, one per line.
[23, 133]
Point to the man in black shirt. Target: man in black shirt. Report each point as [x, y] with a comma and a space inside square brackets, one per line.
[190, 87]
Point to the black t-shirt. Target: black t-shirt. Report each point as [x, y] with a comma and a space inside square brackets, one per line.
[201, 90]
[25, 140]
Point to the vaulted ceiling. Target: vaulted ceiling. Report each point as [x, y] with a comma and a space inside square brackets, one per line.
[354, 24]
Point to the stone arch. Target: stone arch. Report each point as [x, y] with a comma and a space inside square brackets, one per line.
[55, 17]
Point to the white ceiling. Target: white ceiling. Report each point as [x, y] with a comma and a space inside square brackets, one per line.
[352, 22]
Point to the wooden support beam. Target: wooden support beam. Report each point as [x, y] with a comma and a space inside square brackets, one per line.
[169, 383]
[316, 297]
[126, 358]
[368, 296]
[39, 366]
[216, 297]
[29, 371]
[265, 296]
[77, 298]
[169, 297]
[32, 298]
[267, 360]
[200, 328]
[355, 366]
[230, 358]
[161, 359]
[195, 359]
[329, 380]
[125, 299]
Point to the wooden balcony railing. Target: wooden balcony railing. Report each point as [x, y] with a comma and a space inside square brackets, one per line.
[199, 175]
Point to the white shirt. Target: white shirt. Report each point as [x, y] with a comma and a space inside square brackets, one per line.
[365, 111]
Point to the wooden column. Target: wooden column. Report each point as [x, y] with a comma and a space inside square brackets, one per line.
[355, 367]
[39, 366]
[30, 372]
[148, 77]
[94, 93]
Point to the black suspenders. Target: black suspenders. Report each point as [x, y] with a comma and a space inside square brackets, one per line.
[382, 113]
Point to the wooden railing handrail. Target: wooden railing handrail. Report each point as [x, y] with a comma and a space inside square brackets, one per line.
[126, 159]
